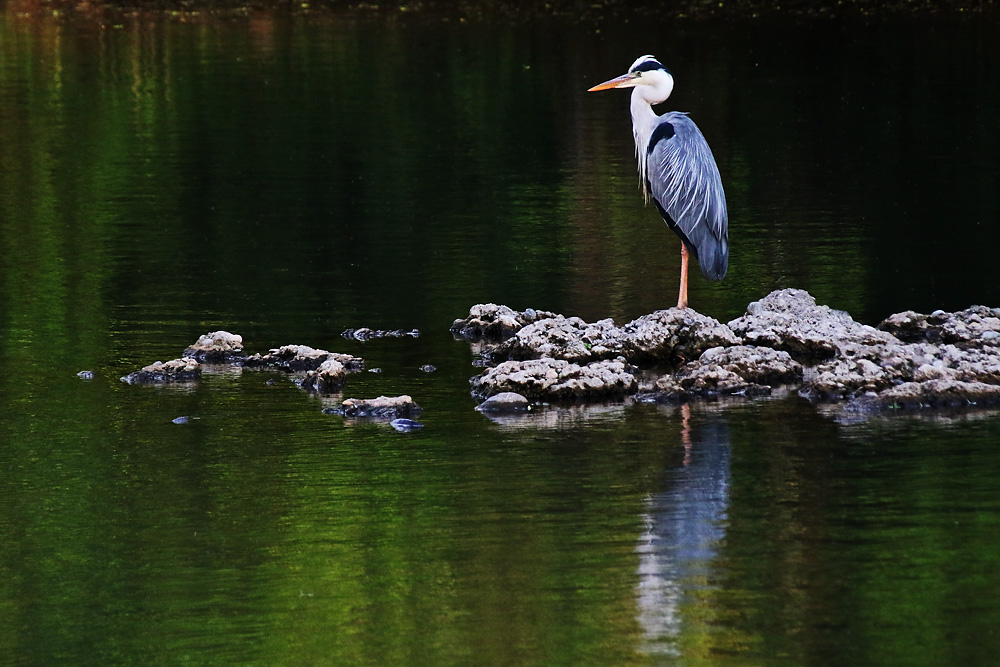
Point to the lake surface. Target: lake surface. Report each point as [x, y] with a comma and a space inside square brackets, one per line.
[289, 178]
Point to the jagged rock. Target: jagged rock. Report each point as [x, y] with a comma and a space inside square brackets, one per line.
[164, 372]
[973, 327]
[938, 393]
[721, 371]
[505, 402]
[559, 337]
[557, 378]
[493, 322]
[301, 358]
[790, 320]
[673, 335]
[329, 376]
[383, 407]
[664, 336]
[217, 347]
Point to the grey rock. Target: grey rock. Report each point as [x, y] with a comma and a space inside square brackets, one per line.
[937, 393]
[560, 337]
[504, 402]
[557, 379]
[85, 375]
[217, 347]
[428, 368]
[490, 321]
[301, 358]
[383, 407]
[165, 372]
[180, 420]
[790, 320]
[365, 333]
[330, 376]
[972, 327]
[672, 336]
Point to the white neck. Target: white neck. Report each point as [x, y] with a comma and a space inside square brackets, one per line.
[656, 88]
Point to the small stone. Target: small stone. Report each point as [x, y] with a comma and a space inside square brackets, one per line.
[85, 375]
[374, 370]
[405, 425]
[428, 368]
[990, 335]
[507, 401]
[180, 420]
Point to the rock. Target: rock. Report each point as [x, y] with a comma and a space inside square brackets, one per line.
[759, 365]
[85, 375]
[664, 336]
[364, 333]
[217, 347]
[301, 358]
[180, 420]
[428, 368]
[330, 375]
[383, 407]
[504, 402]
[559, 337]
[160, 372]
[557, 379]
[973, 327]
[405, 425]
[673, 335]
[790, 320]
[937, 393]
[492, 322]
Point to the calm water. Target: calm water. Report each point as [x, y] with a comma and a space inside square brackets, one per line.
[288, 179]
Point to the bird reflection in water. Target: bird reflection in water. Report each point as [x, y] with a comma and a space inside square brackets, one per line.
[683, 526]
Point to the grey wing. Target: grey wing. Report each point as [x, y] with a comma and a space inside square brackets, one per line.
[684, 181]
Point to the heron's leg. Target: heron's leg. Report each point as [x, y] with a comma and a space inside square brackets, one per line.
[682, 297]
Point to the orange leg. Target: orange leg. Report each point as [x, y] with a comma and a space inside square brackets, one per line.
[682, 297]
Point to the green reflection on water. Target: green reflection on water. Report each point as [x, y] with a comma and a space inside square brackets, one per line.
[288, 179]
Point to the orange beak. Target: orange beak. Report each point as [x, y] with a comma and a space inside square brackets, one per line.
[623, 81]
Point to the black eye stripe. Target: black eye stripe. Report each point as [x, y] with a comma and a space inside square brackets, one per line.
[647, 66]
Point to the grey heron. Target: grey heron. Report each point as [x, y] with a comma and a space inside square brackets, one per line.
[677, 171]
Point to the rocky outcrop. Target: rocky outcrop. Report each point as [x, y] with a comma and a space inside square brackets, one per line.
[165, 372]
[975, 326]
[217, 347]
[790, 320]
[330, 376]
[557, 379]
[383, 407]
[492, 322]
[301, 358]
[785, 339]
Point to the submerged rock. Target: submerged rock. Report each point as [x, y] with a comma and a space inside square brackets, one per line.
[301, 358]
[217, 347]
[383, 407]
[165, 372]
[85, 375]
[557, 378]
[364, 333]
[405, 425]
[492, 322]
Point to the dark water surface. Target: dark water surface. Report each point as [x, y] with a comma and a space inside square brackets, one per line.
[286, 179]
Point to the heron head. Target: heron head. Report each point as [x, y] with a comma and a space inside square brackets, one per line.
[645, 71]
